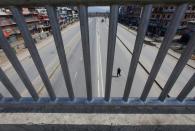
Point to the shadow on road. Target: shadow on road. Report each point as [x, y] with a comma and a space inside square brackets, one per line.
[115, 76]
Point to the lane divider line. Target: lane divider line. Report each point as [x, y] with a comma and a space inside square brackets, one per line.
[98, 68]
[75, 75]
[99, 59]
[156, 46]
[155, 81]
[40, 88]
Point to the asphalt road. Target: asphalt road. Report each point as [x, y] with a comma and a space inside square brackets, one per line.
[50, 60]
[98, 32]
[147, 58]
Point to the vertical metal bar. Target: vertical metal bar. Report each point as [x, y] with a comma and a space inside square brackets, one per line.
[178, 68]
[83, 16]
[187, 89]
[5, 80]
[1, 96]
[145, 17]
[60, 48]
[17, 65]
[19, 18]
[178, 15]
[111, 48]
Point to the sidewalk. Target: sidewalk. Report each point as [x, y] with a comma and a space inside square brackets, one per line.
[22, 52]
[151, 42]
[19, 47]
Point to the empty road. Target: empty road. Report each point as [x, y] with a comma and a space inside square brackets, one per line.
[98, 32]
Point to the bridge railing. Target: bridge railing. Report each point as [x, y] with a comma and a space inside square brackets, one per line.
[123, 104]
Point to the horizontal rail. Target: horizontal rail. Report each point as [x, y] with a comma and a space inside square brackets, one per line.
[98, 105]
[87, 2]
[124, 104]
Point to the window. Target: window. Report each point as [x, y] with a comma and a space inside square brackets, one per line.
[193, 7]
[189, 7]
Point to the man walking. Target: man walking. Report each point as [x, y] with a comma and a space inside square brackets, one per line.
[118, 72]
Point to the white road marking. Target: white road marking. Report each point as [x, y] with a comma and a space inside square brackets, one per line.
[99, 63]
[51, 72]
[101, 72]
[75, 75]
[98, 87]
[98, 84]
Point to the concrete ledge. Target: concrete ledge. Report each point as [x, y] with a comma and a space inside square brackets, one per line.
[95, 128]
[95, 122]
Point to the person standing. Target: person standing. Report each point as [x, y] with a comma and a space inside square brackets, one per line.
[118, 72]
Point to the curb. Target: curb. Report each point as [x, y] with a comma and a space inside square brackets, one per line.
[7, 65]
[171, 53]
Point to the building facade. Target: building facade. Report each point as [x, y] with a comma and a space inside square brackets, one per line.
[44, 24]
[36, 19]
[130, 15]
[9, 27]
[159, 20]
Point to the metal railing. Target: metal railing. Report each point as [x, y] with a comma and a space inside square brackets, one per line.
[124, 104]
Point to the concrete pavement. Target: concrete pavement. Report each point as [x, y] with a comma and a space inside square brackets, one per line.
[49, 57]
[147, 58]
[122, 60]
[98, 48]
[76, 68]
[98, 43]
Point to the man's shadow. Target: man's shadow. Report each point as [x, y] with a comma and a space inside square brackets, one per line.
[115, 76]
